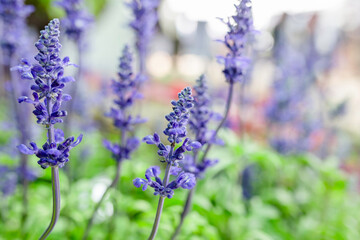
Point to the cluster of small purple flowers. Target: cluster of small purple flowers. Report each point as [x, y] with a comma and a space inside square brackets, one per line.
[183, 180]
[77, 19]
[126, 93]
[201, 116]
[145, 19]
[240, 28]
[287, 106]
[13, 14]
[176, 131]
[47, 97]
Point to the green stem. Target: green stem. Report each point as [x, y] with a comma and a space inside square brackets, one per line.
[185, 212]
[56, 202]
[227, 110]
[97, 206]
[161, 199]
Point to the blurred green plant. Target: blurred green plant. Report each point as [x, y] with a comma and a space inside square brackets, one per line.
[294, 197]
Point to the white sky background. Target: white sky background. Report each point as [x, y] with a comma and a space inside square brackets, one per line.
[263, 10]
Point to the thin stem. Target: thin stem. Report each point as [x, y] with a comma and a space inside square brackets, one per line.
[161, 199]
[97, 206]
[185, 212]
[56, 202]
[189, 198]
[227, 110]
[112, 225]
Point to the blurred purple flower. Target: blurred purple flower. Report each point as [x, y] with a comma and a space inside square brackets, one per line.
[240, 28]
[127, 93]
[145, 19]
[76, 20]
[13, 14]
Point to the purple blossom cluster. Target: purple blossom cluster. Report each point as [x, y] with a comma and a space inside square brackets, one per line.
[201, 113]
[8, 180]
[201, 116]
[190, 165]
[13, 14]
[126, 91]
[240, 28]
[49, 80]
[77, 20]
[176, 131]
[10, 176]
[183, 180]
[287, 106]
[145, 19]
[53, 154]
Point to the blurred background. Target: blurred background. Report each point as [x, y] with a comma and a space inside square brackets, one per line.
[289, 168]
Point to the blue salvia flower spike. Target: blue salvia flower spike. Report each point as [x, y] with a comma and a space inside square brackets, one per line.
[126, 92]
[240, 28]
[13, 14]
[145, 19]
[176, 134]
[49, 81]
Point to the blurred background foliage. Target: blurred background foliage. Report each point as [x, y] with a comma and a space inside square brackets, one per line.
[293, 197]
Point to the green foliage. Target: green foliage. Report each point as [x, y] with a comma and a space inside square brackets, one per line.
[295, 197]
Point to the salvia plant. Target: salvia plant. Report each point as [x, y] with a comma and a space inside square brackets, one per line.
[176, 134]
[287, 109]
[48, 83]
[143, 24]
[13, 14]
[126, 92]
[235, 68]
[200, 118]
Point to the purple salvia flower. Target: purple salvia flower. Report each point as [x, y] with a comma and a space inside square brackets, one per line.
[201, 113]
[13, 14]
[176, 128]
[76, 20]
[49, 81]
[126, 91]
[176, 132]
[235, 70]
[198, 169]
[126, 94]
[47, 96]
[240, 27]
[247, 182]
[183, 180]
[145, 19]
[8, 180]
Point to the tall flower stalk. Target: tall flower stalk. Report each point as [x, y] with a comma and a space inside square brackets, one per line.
[13, 14]
[125, 89]
[235, 66]
[75, 24]
[48, 84]
[145, 19]
[176, 132]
